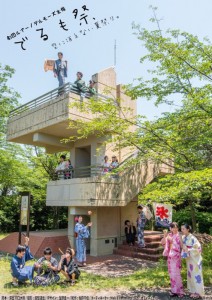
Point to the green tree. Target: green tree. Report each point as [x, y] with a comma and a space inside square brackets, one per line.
[8, 98]
[181, 75]
[45, 164]
[23, 168]
[192, 190]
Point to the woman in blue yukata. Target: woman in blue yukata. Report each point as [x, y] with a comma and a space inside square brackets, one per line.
[81, 233]
[141, 221]
[192, 253]
[19, 272]
[60, 71]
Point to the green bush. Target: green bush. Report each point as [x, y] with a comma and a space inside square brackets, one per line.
[204, 219]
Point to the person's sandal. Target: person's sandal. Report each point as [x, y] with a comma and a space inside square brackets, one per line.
[172, 295]
[72, 282]
[15, 284]
[197, 296]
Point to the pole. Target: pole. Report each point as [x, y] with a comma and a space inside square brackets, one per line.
[115, 53]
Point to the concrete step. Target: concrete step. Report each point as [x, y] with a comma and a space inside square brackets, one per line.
[153, 250]
[153, 244]
[153, 238]
[150, 232]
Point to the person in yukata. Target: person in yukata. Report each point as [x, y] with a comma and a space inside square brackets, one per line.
[130, 233]
[60, 70]
[68, 267]
[141, 221]
[81, 233]
[172, 250]
[19, 271]
[80, 84]
[192, 253]
[47, 269]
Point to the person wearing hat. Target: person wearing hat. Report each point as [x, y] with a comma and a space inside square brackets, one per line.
[141, 221]
[60, 69]
[19, 271]
[68, 267]
[80, 84]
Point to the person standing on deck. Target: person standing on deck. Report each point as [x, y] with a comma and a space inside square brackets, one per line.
[60, 70]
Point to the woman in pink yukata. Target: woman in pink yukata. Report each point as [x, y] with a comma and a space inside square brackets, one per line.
[173, 245]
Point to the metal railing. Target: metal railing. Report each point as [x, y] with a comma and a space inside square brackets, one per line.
[80, 172]
[94, 170]
[53, 94]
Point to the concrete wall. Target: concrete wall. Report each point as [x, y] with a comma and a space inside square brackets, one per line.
[106, 82]
[104, 190]
[107, 226]
[54, 111]
[105, 230]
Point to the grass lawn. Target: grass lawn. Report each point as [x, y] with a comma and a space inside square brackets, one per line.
[3, 235]
[146, 278]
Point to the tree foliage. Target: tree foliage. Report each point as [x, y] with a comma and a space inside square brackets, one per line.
[23, 168]
[8, 98]
[191, 191]
[181, 75]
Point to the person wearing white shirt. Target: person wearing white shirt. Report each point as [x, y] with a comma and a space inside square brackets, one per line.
[105, 165]
[61, 167]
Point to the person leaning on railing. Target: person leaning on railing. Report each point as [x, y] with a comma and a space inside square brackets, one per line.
[105, 166]
[62, 166]
[69, 170]
[91, 89]
[114, 164]
[80, 84]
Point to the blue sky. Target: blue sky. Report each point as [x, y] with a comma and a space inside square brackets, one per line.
[94, 51]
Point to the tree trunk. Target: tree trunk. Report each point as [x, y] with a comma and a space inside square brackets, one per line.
[193, 217]
[56, 220]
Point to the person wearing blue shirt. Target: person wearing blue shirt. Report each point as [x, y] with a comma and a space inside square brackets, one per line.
[19, 271]
[60, 70]
[81, 232]
[141, 221]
